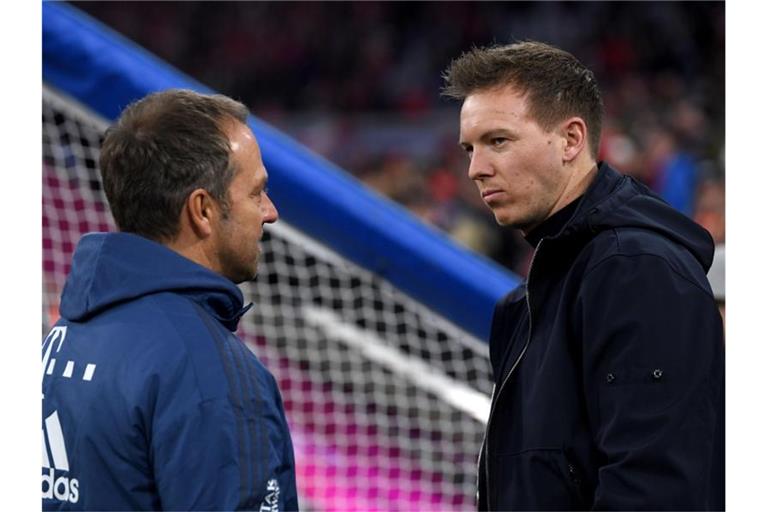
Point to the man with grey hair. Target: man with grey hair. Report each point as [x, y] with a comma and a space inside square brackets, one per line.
[150, 400]
[608, 362]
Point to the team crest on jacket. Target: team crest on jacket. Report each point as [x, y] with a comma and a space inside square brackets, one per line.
[272, 500]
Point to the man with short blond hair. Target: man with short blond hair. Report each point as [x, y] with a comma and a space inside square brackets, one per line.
[608, 362]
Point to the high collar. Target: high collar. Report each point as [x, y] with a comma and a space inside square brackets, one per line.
[554, 224]
[614, 200]
[108, 268]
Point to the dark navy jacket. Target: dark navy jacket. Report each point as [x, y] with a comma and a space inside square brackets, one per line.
[614, 397]
[149, 399]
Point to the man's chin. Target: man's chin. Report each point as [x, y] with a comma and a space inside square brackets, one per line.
[252, 273]
[505, 220]
[243, 275]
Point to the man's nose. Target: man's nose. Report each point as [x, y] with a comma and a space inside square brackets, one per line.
[479, 166]
[271, 214]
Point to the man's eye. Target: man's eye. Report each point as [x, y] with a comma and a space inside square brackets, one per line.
[498, 141]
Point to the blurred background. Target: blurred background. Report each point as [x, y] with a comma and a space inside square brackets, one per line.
[359, 83]
[387, 400]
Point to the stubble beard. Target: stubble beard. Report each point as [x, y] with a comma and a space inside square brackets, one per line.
[237, 269]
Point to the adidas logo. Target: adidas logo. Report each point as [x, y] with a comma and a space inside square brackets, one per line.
[62, 488]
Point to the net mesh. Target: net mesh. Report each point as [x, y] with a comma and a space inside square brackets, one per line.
[386, 400]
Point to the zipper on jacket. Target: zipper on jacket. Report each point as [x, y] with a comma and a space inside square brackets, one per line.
[506, 378]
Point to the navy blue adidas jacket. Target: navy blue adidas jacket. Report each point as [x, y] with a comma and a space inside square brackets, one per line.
[149, 400]
[609, 366]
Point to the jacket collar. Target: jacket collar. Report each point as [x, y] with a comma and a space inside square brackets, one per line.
[614, 201]
[598, 198]
[110, 268]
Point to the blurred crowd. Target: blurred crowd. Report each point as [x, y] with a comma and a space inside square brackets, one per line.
[359, 83]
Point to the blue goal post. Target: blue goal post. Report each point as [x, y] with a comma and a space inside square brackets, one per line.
[104, 71]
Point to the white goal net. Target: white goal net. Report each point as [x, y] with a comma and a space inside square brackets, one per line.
[386, 400]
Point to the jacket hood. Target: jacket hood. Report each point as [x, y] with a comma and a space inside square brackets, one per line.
[615, 201]
[110, 268]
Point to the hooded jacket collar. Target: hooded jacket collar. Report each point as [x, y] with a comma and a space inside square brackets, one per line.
[614, 201]
[110, 268]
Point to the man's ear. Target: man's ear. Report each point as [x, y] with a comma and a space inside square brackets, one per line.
[200, 210]
[574, 133]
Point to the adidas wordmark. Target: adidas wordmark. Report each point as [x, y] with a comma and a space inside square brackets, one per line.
[62, 488]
